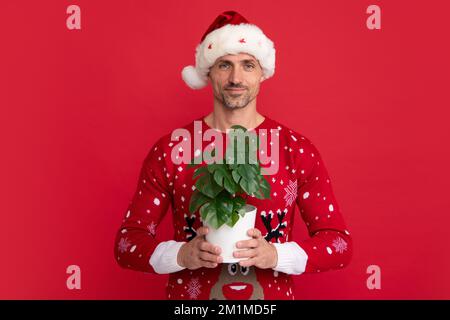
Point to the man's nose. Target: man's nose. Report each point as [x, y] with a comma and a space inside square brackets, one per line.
[235, 76]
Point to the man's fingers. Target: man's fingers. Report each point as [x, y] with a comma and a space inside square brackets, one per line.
[209, 247]
[250, 253]
[254, 233]
[252, 243]
[205, 256]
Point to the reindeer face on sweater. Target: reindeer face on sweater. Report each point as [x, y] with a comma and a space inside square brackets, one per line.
[237, 283]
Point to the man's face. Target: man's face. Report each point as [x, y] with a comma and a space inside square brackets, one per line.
[235, 79]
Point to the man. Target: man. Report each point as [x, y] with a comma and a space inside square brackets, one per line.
[235, 57]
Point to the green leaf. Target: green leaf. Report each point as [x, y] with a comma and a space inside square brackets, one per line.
[246, 186]
[238, 204]
[223, 177]
[206, 185]
[236, 176]
[238, 201]
[224, 204]
[247, 171]
[250, 181]
[263, 191]
[197, 200]
[265, 187]
[218, 211]
[200, 171]
[230, 186]
[233, 219]
[208, 211]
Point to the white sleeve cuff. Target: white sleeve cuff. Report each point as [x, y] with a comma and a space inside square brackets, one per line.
[292, 258]
[164, 258]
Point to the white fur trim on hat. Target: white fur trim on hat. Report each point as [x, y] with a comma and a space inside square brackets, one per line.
[230, 39]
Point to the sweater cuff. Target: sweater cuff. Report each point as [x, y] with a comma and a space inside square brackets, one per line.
[292, 258]
[164, 258]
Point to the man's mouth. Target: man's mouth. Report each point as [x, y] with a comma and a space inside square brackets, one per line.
[234, 92]
[235, 89]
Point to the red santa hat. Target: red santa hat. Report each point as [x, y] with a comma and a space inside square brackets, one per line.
[230, 33]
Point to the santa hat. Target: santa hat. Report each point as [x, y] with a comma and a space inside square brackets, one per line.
[230, 33]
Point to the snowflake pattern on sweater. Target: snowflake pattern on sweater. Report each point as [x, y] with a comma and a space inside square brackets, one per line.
[302, 179]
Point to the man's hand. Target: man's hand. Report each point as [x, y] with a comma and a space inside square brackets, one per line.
[259, 252]
[199, 253]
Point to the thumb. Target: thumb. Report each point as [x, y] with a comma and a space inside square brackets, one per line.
[255, 233]
[202, 231]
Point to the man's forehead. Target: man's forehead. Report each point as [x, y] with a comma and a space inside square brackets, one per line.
[237, 57]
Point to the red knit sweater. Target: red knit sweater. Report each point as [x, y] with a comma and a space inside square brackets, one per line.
[301, 180]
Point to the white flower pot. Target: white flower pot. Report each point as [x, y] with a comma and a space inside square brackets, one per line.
[226, 237]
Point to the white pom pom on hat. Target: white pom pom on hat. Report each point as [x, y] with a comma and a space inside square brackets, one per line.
[192, 78]
[230, 33]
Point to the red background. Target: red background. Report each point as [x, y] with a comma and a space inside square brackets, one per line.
[81, 108]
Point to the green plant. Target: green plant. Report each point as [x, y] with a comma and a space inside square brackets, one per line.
[222, 188]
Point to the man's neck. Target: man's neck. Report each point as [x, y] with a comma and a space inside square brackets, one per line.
[222, 118]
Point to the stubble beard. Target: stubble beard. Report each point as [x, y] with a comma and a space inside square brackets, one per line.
[236, 102]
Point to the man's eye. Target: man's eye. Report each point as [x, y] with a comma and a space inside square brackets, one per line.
[250, 66]
[222, 65]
